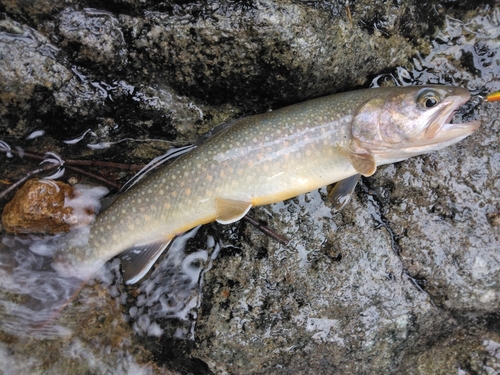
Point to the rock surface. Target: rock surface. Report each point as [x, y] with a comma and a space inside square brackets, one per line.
[403, 280]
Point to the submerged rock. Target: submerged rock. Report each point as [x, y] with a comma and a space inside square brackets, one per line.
[45, 207]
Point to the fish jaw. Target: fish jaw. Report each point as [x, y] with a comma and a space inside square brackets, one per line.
[448, 135]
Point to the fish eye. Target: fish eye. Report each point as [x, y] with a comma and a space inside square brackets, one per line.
[427, 99]
[430, 102]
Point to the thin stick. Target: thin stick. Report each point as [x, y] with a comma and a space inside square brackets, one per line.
[266, 230]
[91, 163]
[94, 176]
[28, 175]
[105, 164]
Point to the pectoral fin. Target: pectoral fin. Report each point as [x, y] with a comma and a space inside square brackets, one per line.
[229, 210]
[137, 260]
[363, 162]
[341, 193]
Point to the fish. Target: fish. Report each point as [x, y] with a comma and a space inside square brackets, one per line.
[267, 158]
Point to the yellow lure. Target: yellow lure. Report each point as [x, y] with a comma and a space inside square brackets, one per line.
[493, 97]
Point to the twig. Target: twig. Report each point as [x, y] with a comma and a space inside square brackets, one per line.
[94, 176]
[90, 163]
[348, 11]
[266, 230]
[69, 164]
[28, 175]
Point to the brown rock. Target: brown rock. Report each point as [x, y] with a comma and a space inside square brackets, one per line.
[41, 206]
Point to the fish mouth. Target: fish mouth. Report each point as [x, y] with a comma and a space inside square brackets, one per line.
[450, 131]
[443, 132]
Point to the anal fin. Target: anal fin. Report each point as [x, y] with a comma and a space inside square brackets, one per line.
[137, 260]
[229, 210]
[341, 193]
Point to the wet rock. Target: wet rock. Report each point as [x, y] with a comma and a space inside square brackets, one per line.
[494, 219]
[95, 37]
[42, 206]
[29, 74]
[404, 280]
[278, 52]
[32, 10]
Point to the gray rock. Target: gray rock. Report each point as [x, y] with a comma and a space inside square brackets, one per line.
[403, 280]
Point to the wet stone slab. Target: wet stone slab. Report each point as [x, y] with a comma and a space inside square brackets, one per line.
[403, 280]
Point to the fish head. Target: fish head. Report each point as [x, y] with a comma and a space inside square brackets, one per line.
[401, 122]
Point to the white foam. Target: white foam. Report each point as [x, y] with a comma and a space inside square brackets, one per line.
[173, 290]
[26, 274]
[29, 276]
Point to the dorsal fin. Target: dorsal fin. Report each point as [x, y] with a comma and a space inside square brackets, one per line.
[230, 210]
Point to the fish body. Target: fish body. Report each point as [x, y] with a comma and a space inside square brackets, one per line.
[268, 158]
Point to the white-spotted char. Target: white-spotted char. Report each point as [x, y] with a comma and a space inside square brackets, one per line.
[268, 158]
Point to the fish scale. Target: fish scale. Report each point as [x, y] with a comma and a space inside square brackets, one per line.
[268, 158]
